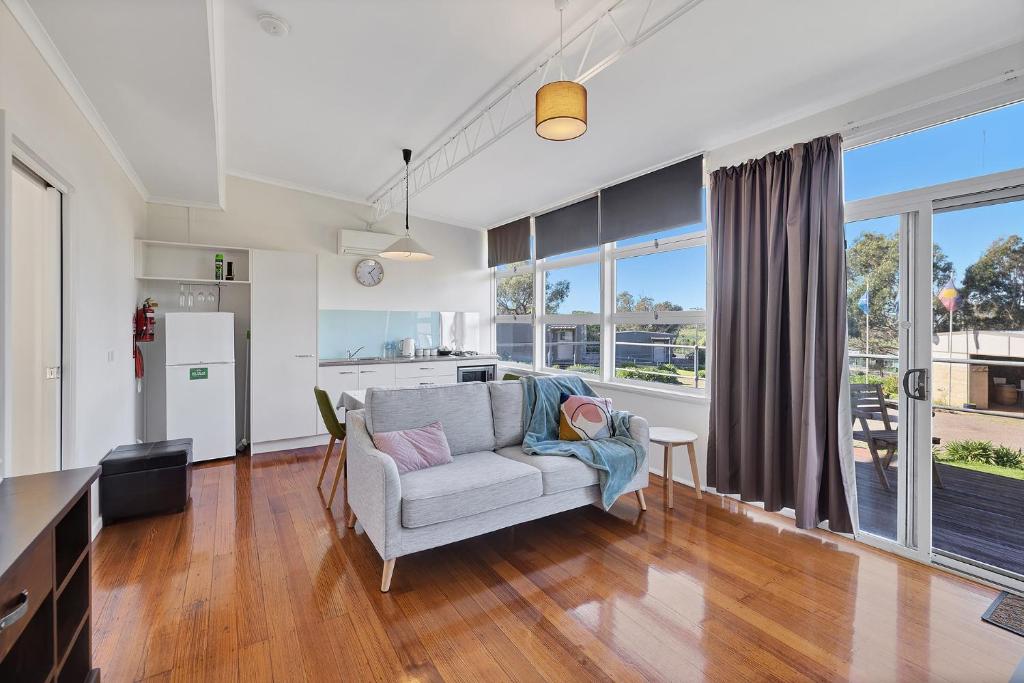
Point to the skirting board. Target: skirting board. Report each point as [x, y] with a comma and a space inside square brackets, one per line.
[288, 444]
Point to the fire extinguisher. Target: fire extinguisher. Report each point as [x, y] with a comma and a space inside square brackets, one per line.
[143, 330]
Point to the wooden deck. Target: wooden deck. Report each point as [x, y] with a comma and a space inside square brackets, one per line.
[979, 516]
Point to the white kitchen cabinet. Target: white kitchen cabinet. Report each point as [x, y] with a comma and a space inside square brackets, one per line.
[377, 375]
[284, 333]
[335, 380]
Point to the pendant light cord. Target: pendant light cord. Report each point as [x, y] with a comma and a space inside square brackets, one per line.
[561, 44]
[407, 197]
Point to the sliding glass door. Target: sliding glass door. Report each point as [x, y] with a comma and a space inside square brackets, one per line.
[977, 349]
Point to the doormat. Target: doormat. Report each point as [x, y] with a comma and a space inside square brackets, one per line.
[1007, 612]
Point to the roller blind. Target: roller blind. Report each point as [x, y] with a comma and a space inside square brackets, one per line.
[509, 243]
[662, 199]
[567, 229]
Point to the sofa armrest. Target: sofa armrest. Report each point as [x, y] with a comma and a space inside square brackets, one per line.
[640, 430]
[374, 487]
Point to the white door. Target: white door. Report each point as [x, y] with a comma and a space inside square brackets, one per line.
[201, 405]
[284, 363]
[36, 325]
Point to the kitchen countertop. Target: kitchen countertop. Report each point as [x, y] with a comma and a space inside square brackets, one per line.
[332, 362]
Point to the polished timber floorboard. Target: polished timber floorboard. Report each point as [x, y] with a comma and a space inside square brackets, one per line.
[257, 582]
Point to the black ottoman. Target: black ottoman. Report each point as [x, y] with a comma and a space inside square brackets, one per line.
[145, 479]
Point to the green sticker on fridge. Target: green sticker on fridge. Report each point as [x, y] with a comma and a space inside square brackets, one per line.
[198, 373]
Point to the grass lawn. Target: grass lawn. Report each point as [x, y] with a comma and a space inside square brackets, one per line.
[989, 469]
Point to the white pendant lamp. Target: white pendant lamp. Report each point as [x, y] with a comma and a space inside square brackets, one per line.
[406, 248]
[561, 112]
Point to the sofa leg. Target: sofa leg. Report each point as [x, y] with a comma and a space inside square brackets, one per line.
[640, 499]
[385, 579]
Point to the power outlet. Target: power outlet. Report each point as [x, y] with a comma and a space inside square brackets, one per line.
[110, 356]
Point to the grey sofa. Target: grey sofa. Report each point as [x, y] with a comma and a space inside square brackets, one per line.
[491, 484]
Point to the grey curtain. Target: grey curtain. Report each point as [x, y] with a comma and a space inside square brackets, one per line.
[779, 335]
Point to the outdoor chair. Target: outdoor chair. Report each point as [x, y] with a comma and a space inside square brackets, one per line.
[868, 403]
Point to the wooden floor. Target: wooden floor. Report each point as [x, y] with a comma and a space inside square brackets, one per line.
[977, 515]
[256, 581]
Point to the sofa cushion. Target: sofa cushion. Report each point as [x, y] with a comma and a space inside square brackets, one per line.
[415, 449]
[472, 483]
[559, 472]
[464, 410]
[507, 409]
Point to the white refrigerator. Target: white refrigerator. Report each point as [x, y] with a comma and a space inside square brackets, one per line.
[190, 383]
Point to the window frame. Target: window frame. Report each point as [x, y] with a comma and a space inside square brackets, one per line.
[690, 240]
[497, 276]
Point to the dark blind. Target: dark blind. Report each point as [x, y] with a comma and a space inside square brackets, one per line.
[509, 243]
[662, 199]
[567, 229]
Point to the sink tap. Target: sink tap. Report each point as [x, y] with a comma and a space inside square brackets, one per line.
[352, 354]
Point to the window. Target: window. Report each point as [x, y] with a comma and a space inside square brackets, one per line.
[660, 317]
[573, 291]
[984, 143]
[666, 354]
[631, 312]
[513, 306]
[573, 347]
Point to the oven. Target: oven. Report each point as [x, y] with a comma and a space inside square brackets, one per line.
[476, 373]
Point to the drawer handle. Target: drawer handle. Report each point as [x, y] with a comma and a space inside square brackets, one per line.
[15, 614]
[346, 372]
[426, 368]
[303, 355]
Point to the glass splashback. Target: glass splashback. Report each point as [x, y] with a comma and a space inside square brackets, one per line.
[341, 331]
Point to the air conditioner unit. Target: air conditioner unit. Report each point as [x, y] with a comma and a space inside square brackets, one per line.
[360, 242]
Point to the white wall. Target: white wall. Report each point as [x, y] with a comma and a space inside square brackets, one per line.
[268, 216]
[102, 214]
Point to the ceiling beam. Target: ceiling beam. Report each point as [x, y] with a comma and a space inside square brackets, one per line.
[591, 50]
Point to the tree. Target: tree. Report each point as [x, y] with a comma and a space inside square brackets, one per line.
[993, 287]
[872, 263]
[515, 294]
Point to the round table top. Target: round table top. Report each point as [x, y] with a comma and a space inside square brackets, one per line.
[671, 435]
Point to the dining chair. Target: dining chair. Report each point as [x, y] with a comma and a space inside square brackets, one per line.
[337, 431]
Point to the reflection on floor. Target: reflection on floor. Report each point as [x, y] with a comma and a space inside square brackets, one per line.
[256, 581]
[977, 515]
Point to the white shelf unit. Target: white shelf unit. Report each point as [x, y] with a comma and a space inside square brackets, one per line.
[188, 263]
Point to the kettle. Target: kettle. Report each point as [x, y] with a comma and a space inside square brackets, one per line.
[407, 348]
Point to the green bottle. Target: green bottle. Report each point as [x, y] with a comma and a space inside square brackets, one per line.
[218, 267]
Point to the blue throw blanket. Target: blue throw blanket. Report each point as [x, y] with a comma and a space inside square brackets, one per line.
[616, 458]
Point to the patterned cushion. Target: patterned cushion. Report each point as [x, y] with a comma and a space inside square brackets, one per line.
[584, 417]
[415, 449]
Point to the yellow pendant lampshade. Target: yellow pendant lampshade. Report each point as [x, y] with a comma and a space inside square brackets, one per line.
[561, 110]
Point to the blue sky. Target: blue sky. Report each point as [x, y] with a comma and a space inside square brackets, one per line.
[986, 143]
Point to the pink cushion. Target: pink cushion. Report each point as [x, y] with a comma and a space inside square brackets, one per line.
[415, 449]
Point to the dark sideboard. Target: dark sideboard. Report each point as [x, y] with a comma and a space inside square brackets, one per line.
[45, 577]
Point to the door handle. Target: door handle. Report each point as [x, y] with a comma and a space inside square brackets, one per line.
[920, 388]
[15, 614]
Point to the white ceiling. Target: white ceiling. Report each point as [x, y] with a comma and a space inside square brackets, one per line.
[330, 106]
[145, 67]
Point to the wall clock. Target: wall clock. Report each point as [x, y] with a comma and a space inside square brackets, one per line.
[369, 272]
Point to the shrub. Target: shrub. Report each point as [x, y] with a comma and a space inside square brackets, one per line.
[970, 451]
[983, 452]
[1004, 456]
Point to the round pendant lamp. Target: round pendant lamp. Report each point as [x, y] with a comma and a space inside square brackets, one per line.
[406, 248]
[561, 111]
